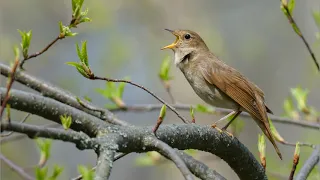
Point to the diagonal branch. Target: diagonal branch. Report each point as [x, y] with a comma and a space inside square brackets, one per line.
[312, 161]
[51, 110]
[167, 151]
[199, 169]
[16, 168]
[104, 164]
[81, 140]
[58, 94]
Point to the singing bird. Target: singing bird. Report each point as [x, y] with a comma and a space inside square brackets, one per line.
[217, 83]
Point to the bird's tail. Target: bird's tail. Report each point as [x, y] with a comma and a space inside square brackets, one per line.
[267, 131]
[263, 122]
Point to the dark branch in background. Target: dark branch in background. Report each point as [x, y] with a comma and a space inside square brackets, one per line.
[299, 33]
[312, 161]
[58, 94]
[51, 109]
[199, 169]
[218, 111]
[9, 133]
[145, 89]
[81, 140]
[167, 151]
[61, 36]
[16, 168]
[104, 164]
[11, 75]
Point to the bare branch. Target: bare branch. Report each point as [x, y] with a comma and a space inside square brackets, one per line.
[81, 140]
[166, 150]
[145, 89]
[104, 164]
[16, 168]
[58, 94]
[312, 161]
[51, 110]
[222, 111]
[199, 169]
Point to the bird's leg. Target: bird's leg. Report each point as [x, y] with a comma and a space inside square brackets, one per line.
[235, 113]
[233, 118]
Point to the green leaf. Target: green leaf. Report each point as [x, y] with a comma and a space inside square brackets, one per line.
[87, 98]
[87, 174]
[85, 19]
[144, 160]
[79, 52]
[289, 109]
[80, 67]
[291, 6]
[316, 17]
[57, 170]
[104, 92]
[66, 121]
[163, 111]
[25, 42]
[41, 173]
[44, 146]
[191, 112]
[84, 53]
[74, 64]
[275, 133]
[61, 27]
[262, 145]
[301, 97]
[111, 106]
[164, 69]
[204, 109]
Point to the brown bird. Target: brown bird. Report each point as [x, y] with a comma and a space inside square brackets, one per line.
[217, 83]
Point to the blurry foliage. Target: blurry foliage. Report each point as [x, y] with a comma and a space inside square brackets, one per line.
[87, 173]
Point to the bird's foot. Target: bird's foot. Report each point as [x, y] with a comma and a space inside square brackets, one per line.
[222, 130]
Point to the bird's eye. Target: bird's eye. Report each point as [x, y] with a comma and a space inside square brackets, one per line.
[187, 36]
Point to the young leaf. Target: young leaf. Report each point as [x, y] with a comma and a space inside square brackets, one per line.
[84, 54]
[163, 112]
[66, 121]
[164, 70]
[301, 97]
[204, 109]
[291, 6]
[262, 145]
[192, 114]
[275, 133]
[41, 173]
[87, 174]
[316, 17]
[57, 170]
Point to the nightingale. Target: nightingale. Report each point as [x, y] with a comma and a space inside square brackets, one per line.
[217, 83]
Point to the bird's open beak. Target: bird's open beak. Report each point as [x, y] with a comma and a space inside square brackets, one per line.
[173, 45]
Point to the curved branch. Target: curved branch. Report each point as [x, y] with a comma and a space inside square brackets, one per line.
[198, 137]
[81, 140]
[312, 161]
[57, 93]
[166, 150]
[199, 169]
[51, 109]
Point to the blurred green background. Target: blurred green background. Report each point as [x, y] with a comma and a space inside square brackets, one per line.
[124, 39]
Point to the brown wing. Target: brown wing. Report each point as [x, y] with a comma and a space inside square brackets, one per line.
[245, 93]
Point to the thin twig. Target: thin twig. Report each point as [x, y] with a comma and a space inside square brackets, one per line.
[166, 150]
[23, 120]
[61, 36]
[9, 85]
[309, 164]
[16, 168]
[145, 89]
[91, 107]
[294, 165]
[299, 33]
[166, 85]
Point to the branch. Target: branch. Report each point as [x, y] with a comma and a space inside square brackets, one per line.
[167, 151]
[16, 168]
[145, 89]
[309, 164]
[81, 140]
[11, 132]
[198, 137]
[199, 169]
[58, 94]
[222, 111]
[298, 32]
[104, 164]
[51, 110]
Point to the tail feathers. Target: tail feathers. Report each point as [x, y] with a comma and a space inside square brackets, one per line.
[266, 130]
